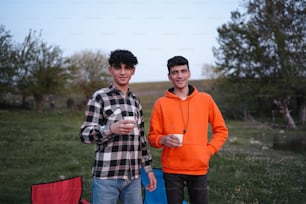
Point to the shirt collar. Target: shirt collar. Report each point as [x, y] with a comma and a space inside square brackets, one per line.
[113, 89]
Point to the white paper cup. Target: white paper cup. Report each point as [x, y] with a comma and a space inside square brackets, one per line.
[132, 124]
[180, 137]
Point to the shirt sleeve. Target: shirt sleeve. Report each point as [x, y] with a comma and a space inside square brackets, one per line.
[156, 128]
[92, 130]
[219, 129]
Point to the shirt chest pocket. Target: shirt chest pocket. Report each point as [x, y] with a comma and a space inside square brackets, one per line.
[112, 114]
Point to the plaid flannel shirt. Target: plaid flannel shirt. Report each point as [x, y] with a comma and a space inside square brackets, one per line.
[117, 156]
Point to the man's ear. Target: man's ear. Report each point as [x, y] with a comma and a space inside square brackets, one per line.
[134, 71]
[110, 70]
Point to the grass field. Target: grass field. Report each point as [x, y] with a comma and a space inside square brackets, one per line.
[42, 147]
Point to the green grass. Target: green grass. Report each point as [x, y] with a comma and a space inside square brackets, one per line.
[41, 147]
[249, 170]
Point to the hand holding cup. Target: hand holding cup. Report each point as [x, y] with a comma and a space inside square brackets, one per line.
[124, 126]
[130, 121]
[172, 140]
[180, 138]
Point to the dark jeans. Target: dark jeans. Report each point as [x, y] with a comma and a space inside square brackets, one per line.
[196, 186]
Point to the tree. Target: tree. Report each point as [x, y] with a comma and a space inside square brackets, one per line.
[265, 45]
[7, 71]
[89, 71]
[283, 107]
[41, 69]
[209, 71]
[25, 62]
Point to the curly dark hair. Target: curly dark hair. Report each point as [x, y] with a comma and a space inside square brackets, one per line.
[118, 57]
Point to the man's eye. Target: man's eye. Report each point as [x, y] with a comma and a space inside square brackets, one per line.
[117, 67]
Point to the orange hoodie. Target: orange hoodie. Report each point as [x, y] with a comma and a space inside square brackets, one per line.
[171, 115]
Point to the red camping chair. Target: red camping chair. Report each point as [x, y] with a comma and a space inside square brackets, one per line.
[66, 191]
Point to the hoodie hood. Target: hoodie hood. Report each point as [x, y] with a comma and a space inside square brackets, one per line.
[191, 92]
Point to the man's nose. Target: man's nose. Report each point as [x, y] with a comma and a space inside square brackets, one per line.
[122, 71]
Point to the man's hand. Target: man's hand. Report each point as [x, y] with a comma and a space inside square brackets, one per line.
[152, 181]
[170, 141]
[121, 127]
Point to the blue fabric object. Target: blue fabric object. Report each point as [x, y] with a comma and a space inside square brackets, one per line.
[158, 196]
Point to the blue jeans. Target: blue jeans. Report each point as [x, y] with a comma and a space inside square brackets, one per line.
[196, 186]
[108, 191]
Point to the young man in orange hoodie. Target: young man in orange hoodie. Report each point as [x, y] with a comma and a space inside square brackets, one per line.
[186, 111]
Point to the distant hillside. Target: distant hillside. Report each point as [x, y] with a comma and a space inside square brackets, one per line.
[148, 92]
[144, 88]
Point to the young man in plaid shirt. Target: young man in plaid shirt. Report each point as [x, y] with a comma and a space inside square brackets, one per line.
[121, 147]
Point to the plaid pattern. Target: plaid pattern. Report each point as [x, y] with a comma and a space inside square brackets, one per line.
[117, 156]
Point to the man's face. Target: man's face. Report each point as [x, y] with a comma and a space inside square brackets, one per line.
[179, 75]
[121, 74]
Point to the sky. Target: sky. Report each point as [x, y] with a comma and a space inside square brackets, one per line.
[153, 30]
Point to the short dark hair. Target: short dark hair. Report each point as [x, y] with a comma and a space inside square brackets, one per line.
[177, 60]
[118, 57]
